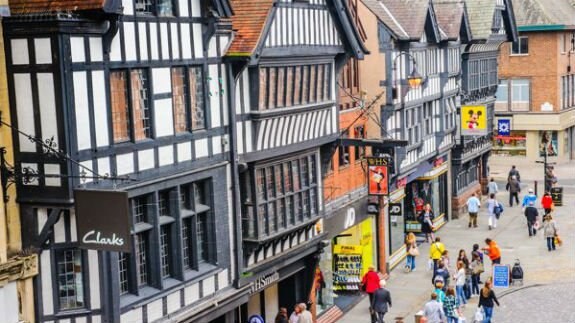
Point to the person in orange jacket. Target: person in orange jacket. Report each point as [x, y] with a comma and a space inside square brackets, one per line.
[547, 202]
[493, 251]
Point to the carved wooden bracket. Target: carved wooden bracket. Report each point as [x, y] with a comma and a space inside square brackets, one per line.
[18, 268]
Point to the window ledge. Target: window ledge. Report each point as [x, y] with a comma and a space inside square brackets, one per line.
[519, 54]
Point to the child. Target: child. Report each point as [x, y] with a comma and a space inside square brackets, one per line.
[445, 259]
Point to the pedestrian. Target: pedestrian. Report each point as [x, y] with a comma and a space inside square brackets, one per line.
[492, 209]
[487, 299]
[442, 272]
[381, 301]
[459, 278]
[477, 268]
[435, 252]
[547, 202]
[531, 214]
[492, 187]
[530, 197]
[305, 315]
[412, 251]
[282, 316]
[294, 317]
[550, 231]
[439, 285]
[514, 172]
[451, 306]
[473, 205]
[463, 258]
[426, 219]
[514, 189]
[493, 251]
[370, 283]
[433, 310]
[445, 260]
[319, 285]
[476, 250]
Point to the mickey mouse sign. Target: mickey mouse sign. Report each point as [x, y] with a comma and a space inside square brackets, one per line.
[473, 120]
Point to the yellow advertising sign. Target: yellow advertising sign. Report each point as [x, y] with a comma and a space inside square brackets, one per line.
[473, 120]
[347, 249]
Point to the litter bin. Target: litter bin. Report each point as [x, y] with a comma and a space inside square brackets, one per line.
[557, 195]
[419, 318]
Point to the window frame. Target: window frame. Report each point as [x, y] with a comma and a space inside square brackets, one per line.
[520, 41]
[56, 277]
[155, 9]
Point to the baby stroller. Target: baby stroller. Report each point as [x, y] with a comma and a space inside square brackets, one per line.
[517, 274]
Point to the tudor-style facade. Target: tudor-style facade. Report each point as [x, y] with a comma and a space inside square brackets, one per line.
[286, 56]
[479, 86]
[136, 89]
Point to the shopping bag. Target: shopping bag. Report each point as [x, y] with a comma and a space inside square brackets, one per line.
[430, 265]
[478, 317]
[558, 241]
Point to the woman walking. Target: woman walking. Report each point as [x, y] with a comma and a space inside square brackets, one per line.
[476, 267]
[451, 306]
[487, 299]
[460, 283]
[412, 252]
[491, 205]
[549, 231]
[426, 218]
[547, 203]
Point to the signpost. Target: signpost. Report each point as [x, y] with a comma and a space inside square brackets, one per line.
[501, 276]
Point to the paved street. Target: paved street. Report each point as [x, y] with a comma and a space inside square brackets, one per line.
[411, 290]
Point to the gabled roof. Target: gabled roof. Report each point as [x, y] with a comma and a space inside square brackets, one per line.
[544, 12]
[23, 7]
[481, 14]
[452, 17]
[410, 14]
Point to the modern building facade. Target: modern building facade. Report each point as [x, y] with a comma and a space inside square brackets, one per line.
[492, 24]
[125, 89]
[536, 83]
[286, 58]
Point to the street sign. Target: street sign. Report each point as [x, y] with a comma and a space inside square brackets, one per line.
[504, 127]
[501, 276]
[395, 209]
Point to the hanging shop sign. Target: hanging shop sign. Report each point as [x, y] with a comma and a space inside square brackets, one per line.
[395, 209]
[473, 120]
[377, 173]
[504, 127]
[103, 220]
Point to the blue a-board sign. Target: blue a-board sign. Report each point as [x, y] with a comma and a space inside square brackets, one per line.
[504, 127]
[501, 276]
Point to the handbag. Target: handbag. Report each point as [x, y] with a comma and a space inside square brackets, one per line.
[478, 317]
[478, 269]
[558, 240]
[414, 251]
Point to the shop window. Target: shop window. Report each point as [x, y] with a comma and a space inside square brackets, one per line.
[413, 125]
[123, 270]
[197, 102]
[179, 94]
[427, 119]
[512, 145]
[142, 256]
[70, 279]
[165, 250]
[521, 46]
[343, 151]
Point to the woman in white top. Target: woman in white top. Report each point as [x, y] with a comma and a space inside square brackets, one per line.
[459, 278]
[491, 204]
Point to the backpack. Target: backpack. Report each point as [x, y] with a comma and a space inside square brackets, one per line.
[498, 209]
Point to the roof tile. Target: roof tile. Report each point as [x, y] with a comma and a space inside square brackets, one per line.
[248, 22]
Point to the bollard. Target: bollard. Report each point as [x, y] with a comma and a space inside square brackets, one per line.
[535, 187]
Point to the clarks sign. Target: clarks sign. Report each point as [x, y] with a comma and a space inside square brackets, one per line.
[103, 220]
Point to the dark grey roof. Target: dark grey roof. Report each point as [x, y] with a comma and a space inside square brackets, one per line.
[449, 15]
[544, 12]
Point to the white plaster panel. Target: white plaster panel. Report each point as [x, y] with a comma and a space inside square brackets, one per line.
[198, 44]
[104, 166]
[64, 321]
[209, 286]
[196, 11]
[59, 231]
[249, 140]
[166, 155]
[154, 41]
[184, 152]
[226, 143]
[173, 302]
[240, 137]
[216, 145]
[162, 80]
[43, 50]
[223, 280]
[155, 310]
[186, 40]
[83, 131]
[42, 217]
[97, 319]
[164, 40]
[174, 37]
[146, 159]
[133, 316]
[125, 164]
[128, 7]
[212, 47]
[163, 117]
[116, 48]
[143, 35]
[214, 88]
[80, 319]
[224, 43]
[78, 51]
[96, 50]
[191, 294]
[20, 52]
[201, 147]
[73, 229]
[224, 86]
[46, 274]
[52, 169]
[47, 103]
[24, 107]
[100, 109]
[9, 302]
[184, 9]
[130, 41]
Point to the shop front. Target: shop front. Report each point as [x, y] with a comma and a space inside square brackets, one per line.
[514, 144]
[350, 251]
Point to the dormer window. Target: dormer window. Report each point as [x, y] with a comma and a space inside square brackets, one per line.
[161, 8]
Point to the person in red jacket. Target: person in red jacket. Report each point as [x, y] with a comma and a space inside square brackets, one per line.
[369, 284]
[547, 202]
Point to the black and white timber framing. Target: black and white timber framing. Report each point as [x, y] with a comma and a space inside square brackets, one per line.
[59, 66]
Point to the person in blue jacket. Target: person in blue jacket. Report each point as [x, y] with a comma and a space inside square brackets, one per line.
[530, 197]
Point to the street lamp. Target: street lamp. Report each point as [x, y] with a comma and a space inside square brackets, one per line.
[414, 79]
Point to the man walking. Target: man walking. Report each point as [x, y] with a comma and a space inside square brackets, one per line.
[492, 187]
[435, 252]
[530, 197]
[531, 214]
[514, 172]
[305, 315]
[381, 301]
[473, 205]
[493, 251]
[433, 310]
[514, 188]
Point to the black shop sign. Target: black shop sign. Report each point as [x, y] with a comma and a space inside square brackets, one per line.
[346, 217]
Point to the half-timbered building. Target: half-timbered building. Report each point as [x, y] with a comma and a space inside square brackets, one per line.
[126, 89]
[286, 56]
[419, 38]
[492, 24]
